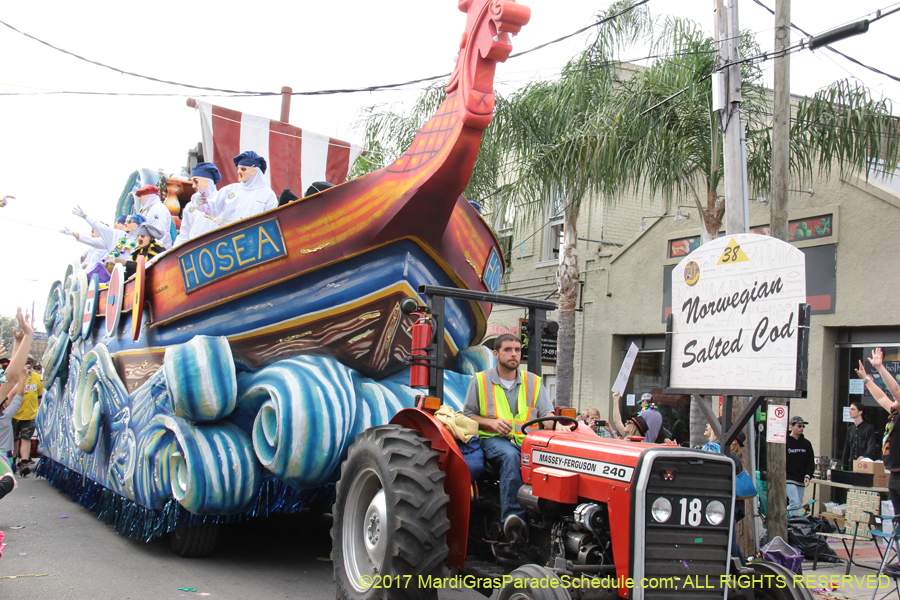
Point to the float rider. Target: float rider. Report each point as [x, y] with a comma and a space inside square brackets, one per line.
[500, 400]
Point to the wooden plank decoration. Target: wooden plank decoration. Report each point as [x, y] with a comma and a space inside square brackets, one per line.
[137, 307]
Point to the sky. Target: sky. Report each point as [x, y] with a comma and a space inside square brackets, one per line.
[62, 150]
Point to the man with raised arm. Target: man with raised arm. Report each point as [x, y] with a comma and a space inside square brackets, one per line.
[250, 196]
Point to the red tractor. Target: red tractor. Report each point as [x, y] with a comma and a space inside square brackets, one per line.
[606, 518]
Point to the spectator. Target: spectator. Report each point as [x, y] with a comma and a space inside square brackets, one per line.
[156, 214]
[146, 247]
[8, 408]
[591, 418]
[23, 420]
[194, 222]
[800, 464]
[646, 423]
[891, 448]
[250, 196]
[862, 441]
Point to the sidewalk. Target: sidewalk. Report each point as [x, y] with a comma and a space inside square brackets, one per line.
[828, 580]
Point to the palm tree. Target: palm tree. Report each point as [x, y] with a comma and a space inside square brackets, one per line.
[603, 128]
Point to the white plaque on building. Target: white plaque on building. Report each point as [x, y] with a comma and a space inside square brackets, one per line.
[736, 319]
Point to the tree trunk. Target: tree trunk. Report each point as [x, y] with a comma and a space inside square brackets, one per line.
[711, 220]
[567, 282]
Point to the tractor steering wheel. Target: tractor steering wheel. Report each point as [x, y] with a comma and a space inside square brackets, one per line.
[540, 422]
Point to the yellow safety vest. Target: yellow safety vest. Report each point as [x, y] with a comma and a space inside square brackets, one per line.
[492, 403]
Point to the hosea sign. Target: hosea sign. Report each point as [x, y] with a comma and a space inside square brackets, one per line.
[739, 321]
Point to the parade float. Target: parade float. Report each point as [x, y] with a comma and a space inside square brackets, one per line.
[228, 377]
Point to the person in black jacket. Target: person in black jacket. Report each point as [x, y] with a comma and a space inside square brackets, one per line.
[862, 441]
[800, 463]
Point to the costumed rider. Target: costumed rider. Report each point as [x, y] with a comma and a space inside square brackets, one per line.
[101, 242]
[250, 196]
[194, 222]
[146, 247]
[127, 242]
[156, 213]
[500, 400]
[646, 424]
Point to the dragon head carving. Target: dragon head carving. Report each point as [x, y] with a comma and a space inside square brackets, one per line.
[486, 41]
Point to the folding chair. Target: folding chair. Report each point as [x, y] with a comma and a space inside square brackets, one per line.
[892, 548]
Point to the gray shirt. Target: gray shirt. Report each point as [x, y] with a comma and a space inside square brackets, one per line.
[6, 432]
[543, 406]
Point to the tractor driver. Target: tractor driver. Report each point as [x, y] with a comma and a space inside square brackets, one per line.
[492, 399]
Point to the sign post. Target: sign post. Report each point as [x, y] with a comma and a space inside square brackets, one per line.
[740, 327]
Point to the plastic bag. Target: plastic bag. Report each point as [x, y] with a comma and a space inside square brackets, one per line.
[779, 551]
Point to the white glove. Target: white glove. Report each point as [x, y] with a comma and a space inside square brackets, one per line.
[67, 231]
[78, 212]
[199, 200]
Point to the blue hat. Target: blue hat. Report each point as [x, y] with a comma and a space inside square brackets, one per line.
[209, 170]
[121, 219]
[249, 158]
[137, 219]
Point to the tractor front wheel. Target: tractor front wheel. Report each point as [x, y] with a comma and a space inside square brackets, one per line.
[389, 538]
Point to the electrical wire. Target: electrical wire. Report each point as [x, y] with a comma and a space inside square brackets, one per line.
[307, 93]
[850, 58]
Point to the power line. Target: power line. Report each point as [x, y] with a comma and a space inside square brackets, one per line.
[308, 93]
[850, 58]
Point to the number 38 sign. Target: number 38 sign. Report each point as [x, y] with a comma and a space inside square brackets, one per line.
[736, 318]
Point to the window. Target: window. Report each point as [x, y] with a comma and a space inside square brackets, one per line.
[554, 230]
[553, 240]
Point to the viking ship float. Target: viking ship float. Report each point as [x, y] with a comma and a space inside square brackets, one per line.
[228, 377]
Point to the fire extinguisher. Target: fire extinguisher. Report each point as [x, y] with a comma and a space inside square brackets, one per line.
[421, 342]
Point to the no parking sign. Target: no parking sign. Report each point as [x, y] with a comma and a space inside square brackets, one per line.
[776, 424]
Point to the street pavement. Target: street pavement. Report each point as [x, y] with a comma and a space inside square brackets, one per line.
[57, 550]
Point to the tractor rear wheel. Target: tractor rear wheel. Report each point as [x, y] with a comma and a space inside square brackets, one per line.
[389, 537]
[783, 577]
[524, 591]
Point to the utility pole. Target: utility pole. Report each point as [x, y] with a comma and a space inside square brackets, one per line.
[728, 49]
[781, 147]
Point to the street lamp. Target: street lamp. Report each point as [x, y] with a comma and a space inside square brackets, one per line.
[678, 216]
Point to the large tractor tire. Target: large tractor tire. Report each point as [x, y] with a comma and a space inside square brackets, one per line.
[532, 582]
[389, 537]
[194, 541]
[790, 591]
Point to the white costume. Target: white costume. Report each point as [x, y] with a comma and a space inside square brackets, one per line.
[109, 235]
[100, 246]
[239, 200]
[194, 221]
[159, 216]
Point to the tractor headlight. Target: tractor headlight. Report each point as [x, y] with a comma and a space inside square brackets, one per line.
[661, 509]
[715, 512]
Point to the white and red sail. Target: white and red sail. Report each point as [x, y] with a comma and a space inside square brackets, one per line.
[296, 157]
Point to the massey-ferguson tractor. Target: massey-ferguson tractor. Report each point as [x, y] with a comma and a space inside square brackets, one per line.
[606, 518]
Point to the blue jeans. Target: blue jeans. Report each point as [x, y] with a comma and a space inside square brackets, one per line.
[507, 456]
[795, 498]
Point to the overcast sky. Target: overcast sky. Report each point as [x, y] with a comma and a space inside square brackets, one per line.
[61, 150]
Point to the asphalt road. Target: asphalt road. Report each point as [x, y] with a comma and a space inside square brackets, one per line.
[48, 557]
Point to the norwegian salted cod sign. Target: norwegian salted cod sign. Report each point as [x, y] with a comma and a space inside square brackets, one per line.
[736, 316]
